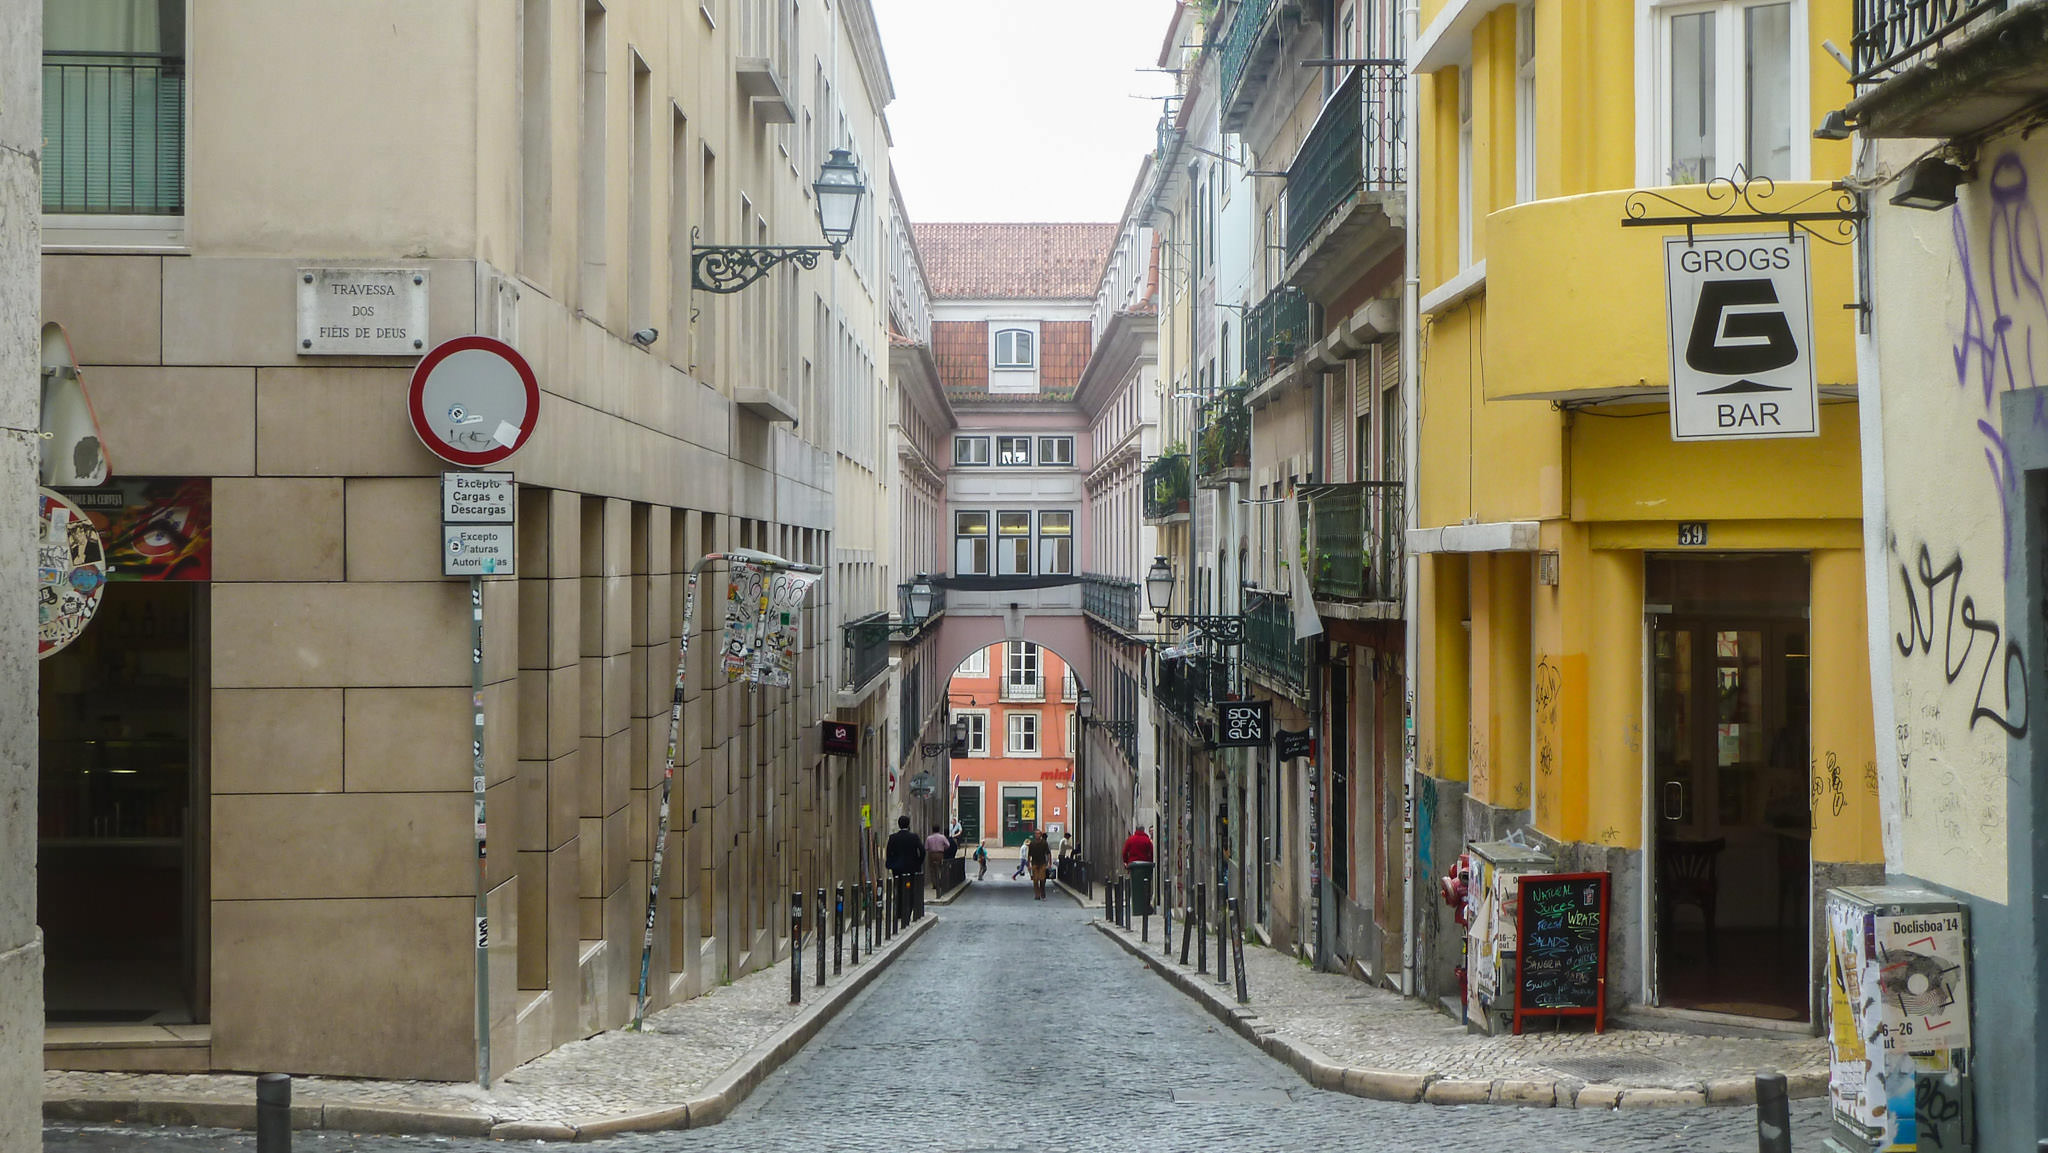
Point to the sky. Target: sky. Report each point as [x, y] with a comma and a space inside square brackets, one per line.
[1022, 110]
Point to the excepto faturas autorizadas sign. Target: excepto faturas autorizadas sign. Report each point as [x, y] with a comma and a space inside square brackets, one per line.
[1741, 311]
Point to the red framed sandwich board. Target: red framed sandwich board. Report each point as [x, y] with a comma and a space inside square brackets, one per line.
[1561, 946]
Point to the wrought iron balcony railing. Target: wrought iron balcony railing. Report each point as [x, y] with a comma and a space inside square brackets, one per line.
[1358, 145]
[1167, 488]
[1029, 691]
[867, 648]
[1276, 329]
[1270, 650]
[1226, 432]
[1355, 540]
[1112, 601]
[1890, 34]
[1183, 686]
[113, 133]
[1239, 41]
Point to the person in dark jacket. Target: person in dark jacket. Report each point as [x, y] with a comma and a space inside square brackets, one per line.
[1039, 853]
[904, 855]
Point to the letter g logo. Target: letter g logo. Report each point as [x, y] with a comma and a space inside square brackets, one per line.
[1733, 334]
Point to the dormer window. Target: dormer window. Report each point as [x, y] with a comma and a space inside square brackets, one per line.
[1016, 348]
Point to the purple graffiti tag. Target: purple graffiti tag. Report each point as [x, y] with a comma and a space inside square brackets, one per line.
[1995, 350]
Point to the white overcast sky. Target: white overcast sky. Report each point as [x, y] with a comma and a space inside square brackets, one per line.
[1022, 110]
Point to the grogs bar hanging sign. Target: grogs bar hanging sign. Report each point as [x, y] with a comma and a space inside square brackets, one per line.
[1243, 724]
[1741, 317]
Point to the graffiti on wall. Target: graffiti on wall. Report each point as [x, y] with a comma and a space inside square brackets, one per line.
[1972, 646]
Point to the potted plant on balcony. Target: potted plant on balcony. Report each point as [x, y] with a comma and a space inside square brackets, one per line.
[1170, 487]
[1280, 351]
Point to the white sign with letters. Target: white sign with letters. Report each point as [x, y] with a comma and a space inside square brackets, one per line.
[362, 311]
[476, 498]
[1741, 311]
[476, 550]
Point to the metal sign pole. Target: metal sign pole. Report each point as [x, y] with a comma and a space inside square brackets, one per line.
[668, 769]
[476, 784]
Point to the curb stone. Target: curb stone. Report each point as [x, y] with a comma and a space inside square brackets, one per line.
[1322, 1072]
[712, 1104]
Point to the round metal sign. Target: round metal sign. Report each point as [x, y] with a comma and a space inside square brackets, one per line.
[473, 400]
[71, 572]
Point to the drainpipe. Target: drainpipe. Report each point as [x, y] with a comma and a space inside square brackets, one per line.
[1411, 320]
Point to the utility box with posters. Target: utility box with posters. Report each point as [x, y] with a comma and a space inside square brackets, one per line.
[1898, 989]
[1741, 315]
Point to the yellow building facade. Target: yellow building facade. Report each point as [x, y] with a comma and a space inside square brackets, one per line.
[1649, 655]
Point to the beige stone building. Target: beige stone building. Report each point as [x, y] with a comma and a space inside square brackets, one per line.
[256, 845]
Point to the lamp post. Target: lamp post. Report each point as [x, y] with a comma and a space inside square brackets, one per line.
[1084, 712]
[915, 601]
[1223, 628]
[728, 268]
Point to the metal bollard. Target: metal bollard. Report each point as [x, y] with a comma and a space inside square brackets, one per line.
[274, 1113]
[1773, 1114]
[796, 947]
[1222, 937]
[886, 895]
[1166, 917]
[854, 959]
[1188, 932]
[838, 925]
[818, 927]
[1201, 928]
[1244, 993]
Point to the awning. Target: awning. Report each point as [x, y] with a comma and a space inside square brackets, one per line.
[1496, 536]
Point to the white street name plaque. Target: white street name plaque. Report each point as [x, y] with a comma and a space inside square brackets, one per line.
[362, 311]
[476, 549]
[476, 498]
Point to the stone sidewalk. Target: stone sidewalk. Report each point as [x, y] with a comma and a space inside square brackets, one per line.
[1345, 1035]
[695, 1063]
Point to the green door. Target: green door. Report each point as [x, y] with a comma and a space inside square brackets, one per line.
[1020, 818]
[970, 814]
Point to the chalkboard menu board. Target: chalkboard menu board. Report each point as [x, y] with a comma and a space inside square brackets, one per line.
[1561, 947]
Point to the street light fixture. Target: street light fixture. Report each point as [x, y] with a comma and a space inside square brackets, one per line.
[728, 268]
[915, 602]
[1223, 628]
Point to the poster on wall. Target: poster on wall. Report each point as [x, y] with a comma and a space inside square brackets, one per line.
[154, 529]
[71, 572]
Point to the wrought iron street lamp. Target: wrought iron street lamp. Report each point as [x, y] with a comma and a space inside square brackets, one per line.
[728, 268]
[1223, 628]
[915, 602]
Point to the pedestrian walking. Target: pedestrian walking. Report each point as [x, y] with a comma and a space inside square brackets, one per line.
[937, 847]
[1023, 860]
[981, 859]
[904, 854]
[1040, 855]
[1138, 847]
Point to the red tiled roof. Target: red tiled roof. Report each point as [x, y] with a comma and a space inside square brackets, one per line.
[1065, 354]
[1014, 261]
[961, 349]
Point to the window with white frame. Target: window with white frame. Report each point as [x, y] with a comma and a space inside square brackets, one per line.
[1069, 684]
[970, 543]
[1016, 348]
[1023, 734]
[1013, 544]
[977, 730]
[1525, 103]
[1055, 543]
[1021, 672]
[1465, 165]
[975, 664]
[1058, 451]
[1726, 89]
[970, 450]
[1013, 450]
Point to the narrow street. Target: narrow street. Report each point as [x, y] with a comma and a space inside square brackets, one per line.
[1015, 1025]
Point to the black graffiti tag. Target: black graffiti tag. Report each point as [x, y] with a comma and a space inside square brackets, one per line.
[1962, 610]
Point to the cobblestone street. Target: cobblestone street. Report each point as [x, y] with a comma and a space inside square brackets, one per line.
[1014, 1025]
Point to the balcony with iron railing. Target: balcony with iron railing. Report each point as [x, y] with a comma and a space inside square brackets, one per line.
[1355, 544]
[113, 133]
[1276, 330]
[1345, 188]
[1270, 651]
[1022, 692]
[1248, 53]
[1112, 601]
[1945, 69]
[1183, 686]
[867, 649]
[1167, 488]
[1224, 451]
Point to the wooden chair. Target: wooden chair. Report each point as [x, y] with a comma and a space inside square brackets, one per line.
[1687, 874]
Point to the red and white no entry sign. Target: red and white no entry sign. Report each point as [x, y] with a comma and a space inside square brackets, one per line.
[473, 400]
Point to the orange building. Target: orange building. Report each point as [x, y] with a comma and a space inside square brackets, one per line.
[1017, 698]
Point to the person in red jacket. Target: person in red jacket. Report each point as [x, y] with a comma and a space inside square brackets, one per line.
[1138, 848]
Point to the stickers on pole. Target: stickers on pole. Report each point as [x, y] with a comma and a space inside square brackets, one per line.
[1741, 317]
[71, 572]
[477, 524]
